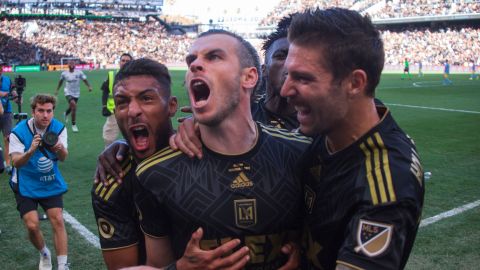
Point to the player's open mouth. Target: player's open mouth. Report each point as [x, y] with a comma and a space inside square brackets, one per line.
[302, 113]
[200, 91]
[140, 137]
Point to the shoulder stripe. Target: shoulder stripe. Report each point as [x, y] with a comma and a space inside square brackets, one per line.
[105, 192]
[156, 155]
[368, 164]
[285, 134]
[160, 156]
[386, 166]
[378, 170]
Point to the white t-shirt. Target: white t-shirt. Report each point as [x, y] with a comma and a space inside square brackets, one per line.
[16, 146]
[72, 82]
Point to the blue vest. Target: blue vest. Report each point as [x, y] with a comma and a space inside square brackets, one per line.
[6, 85]
[40, 176]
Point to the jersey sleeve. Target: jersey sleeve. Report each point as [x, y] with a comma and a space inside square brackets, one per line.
[83, 76]
[116, 215]
[380, 234]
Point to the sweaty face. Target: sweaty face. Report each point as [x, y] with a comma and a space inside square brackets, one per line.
[42, 115]
[275, 60]
[143, 110]
[213, 78]
[320, 103]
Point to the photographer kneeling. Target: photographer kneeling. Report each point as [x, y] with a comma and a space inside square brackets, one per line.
[36, 145]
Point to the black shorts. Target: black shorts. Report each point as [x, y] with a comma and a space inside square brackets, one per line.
[406, 70]
[6, 122]
[75, 99]
[25, 205]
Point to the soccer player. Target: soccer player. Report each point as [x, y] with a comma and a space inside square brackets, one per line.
[110, 128]
[72, 91]
[406, 69]
[446, 73]
[473, 68]
[365, 194]
[143, 109]
[36, 178]
[272, 109]
[248, 170]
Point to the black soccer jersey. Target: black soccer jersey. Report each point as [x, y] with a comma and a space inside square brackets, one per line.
[364, 202]
[256, 197]
[264, 116]
[116, 214]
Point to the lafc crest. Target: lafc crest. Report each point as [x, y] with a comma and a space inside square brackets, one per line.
[245, 212]
[105, 228]
[373, 238]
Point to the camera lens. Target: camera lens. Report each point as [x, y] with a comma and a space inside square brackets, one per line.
[49, 139]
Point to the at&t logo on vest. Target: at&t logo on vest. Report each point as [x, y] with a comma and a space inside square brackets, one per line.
[44, 165]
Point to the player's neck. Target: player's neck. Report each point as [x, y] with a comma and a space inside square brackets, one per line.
[233, 136]
[361, 118]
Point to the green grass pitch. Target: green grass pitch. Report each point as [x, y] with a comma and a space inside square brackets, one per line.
[443, 120]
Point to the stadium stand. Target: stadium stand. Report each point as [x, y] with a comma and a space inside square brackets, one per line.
[89, 39]
[38, 40]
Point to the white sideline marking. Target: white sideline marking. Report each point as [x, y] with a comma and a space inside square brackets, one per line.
[431, 108]
[453, 212]
[82, 230]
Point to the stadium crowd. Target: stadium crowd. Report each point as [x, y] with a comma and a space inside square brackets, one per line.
[392, 8]
[431, 47]
[285, 7]
[81, 39]
[410, 8]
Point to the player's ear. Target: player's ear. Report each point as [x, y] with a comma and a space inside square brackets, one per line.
[249, 78]
[357, 82]
[172, 106]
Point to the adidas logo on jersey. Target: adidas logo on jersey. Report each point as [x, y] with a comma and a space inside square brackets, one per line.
[241, 181]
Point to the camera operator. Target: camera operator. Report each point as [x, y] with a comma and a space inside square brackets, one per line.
[6, 120]
[36, 145]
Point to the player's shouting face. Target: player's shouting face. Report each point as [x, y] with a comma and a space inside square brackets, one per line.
[143, 110]
[213, 78]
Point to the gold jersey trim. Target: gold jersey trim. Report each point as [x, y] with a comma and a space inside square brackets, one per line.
[118, 248]
[160, 156]
[285, 134]
[349, 265]
[105, 192]
[378, 171]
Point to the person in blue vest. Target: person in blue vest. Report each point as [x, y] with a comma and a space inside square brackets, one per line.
[110, 128]
[36, 146]
[6, 120]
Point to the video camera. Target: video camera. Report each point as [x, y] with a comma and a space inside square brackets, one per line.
[20, 84]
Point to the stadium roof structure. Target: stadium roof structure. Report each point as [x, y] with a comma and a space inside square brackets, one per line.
[120, 2]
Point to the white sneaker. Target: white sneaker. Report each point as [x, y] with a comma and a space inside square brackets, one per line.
[74, 128]
[65, 117]
[64, 267]
[45, 262]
